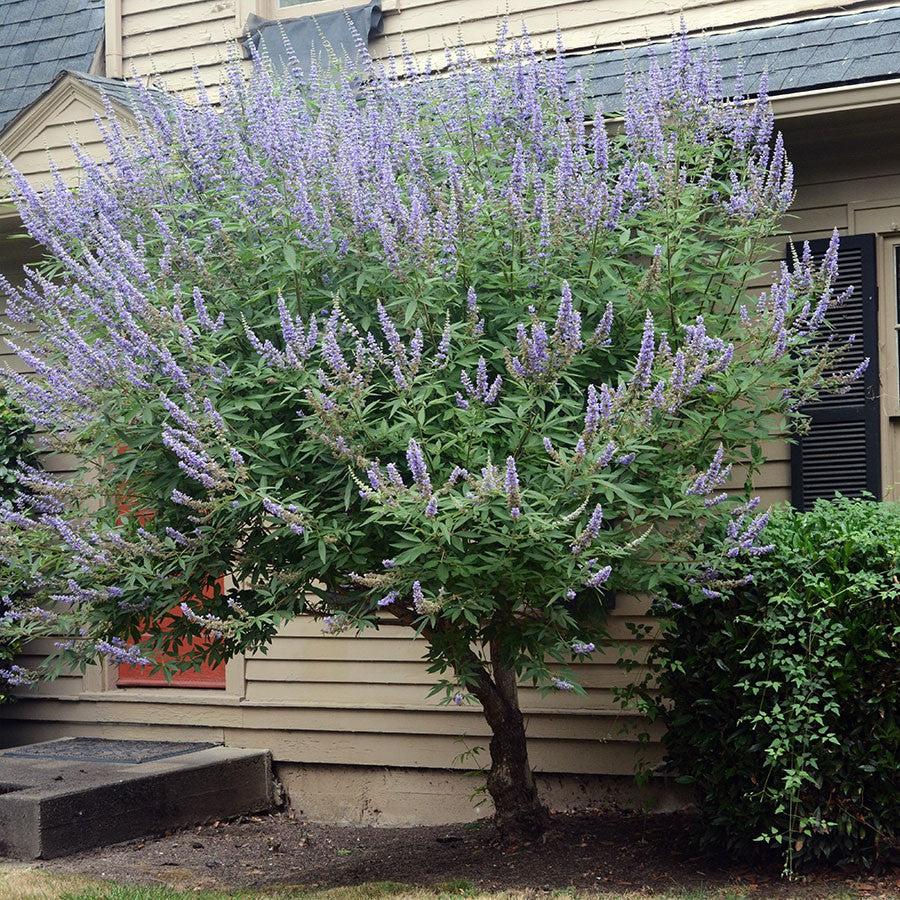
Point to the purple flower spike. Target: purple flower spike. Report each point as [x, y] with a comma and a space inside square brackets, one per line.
[604, 328]
[418, 597]
[511, 487]
[418, 469]
[16, 676]
[567, 333]
[714, 477]
[591, 530]
[592, 413]
[643, 368]
[599, 578]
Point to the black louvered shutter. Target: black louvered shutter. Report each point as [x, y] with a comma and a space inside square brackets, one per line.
[841, 452]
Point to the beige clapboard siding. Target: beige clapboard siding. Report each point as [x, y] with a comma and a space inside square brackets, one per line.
[363, 695]
[560, 741]
[386, 667]
[140, 17]
[46, 727]
[446, 722]
[74, 122]
[607, 756]
[64, 686]
[170, 37]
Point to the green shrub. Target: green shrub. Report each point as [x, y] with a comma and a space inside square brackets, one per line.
[15, 437]
[782, 700]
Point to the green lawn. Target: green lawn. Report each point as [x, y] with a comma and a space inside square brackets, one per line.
[26, 882]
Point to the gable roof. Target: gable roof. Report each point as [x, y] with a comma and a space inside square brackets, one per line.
[118, 90]
[39, 39]
[803, 55]
[74, 100]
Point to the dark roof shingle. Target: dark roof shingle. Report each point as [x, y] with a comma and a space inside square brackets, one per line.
[39, 39]
[802, 55]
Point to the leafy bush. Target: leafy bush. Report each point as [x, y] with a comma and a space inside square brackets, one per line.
[427, 353]
[782, 698]
[15, 435]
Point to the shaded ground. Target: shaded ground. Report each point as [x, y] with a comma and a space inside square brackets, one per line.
[607, 854]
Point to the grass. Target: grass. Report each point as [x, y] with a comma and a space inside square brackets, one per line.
[28, 882]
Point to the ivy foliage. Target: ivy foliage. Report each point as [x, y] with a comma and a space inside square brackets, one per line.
[781, 699]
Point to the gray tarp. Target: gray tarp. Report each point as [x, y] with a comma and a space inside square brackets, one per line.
[315, 39]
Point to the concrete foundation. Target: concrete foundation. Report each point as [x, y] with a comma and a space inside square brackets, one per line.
[56, 806]
[355, 795]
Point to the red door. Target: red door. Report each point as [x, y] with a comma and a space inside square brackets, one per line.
[209, 677]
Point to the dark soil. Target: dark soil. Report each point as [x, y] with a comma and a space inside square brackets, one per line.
[603, 852]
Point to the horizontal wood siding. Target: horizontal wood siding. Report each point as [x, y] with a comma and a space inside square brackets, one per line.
[73, 122]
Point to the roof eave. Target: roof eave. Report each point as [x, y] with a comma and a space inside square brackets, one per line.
[837, 98]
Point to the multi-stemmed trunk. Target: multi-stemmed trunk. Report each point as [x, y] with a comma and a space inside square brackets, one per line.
[510, 782]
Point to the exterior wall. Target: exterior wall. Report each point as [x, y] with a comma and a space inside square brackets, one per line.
[46, 133]
[368, 795]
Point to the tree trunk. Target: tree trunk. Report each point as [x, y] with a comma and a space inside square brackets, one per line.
[520, 812]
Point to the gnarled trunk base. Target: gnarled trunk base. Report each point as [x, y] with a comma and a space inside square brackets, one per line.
[520, 812]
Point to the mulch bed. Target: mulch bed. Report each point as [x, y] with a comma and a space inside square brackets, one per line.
[596, 852]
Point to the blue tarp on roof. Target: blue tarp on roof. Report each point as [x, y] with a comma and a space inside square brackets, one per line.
[40, 38]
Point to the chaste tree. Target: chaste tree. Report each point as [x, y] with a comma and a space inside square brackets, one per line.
[452, 351]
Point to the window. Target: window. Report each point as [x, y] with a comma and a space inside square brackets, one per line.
[291, 9]
[206, 677]
[140, 676]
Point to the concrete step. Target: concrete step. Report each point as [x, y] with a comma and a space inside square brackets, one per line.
[62, 796]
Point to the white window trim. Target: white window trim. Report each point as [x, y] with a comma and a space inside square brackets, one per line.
[890, 321]
[882, 218]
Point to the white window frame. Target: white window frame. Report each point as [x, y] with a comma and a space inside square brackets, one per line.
[100, 683]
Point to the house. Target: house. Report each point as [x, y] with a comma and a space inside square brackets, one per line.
[347, 719]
